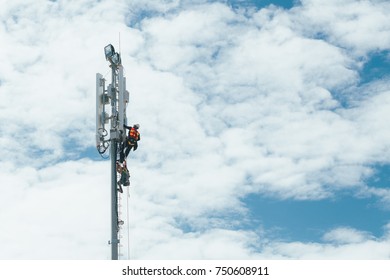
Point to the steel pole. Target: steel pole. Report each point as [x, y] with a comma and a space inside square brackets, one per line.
[114, 202]
[114, 193]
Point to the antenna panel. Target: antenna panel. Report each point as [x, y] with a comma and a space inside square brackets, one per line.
[100, 114]
[122, 98]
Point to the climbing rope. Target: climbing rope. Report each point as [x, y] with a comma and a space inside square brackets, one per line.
[128, 222]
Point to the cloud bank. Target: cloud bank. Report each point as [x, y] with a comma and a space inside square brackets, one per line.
[231, 102]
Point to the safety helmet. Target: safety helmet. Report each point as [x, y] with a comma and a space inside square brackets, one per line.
[136, 126]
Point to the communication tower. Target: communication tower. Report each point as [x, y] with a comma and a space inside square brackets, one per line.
[112, 136]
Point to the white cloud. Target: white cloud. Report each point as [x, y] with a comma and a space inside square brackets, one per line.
[215, 244]
[368, 250]
[359, 25]
[58, 212]
[346, 235]
[341, 243]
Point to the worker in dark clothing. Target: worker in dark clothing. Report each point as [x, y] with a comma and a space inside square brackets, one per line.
[124, 180]
[131, 141]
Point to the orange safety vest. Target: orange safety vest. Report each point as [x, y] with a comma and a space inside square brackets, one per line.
[133, 134]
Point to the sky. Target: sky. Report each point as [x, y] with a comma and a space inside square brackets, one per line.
[264, 129]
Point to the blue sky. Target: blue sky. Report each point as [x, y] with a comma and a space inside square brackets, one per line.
[308, 221]
[287, 4]
[377, 66]
[264, 129]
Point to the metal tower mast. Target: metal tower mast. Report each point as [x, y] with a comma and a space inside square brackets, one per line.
[117, 94]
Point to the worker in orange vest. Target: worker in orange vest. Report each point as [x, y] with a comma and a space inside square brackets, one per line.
[131, 141]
